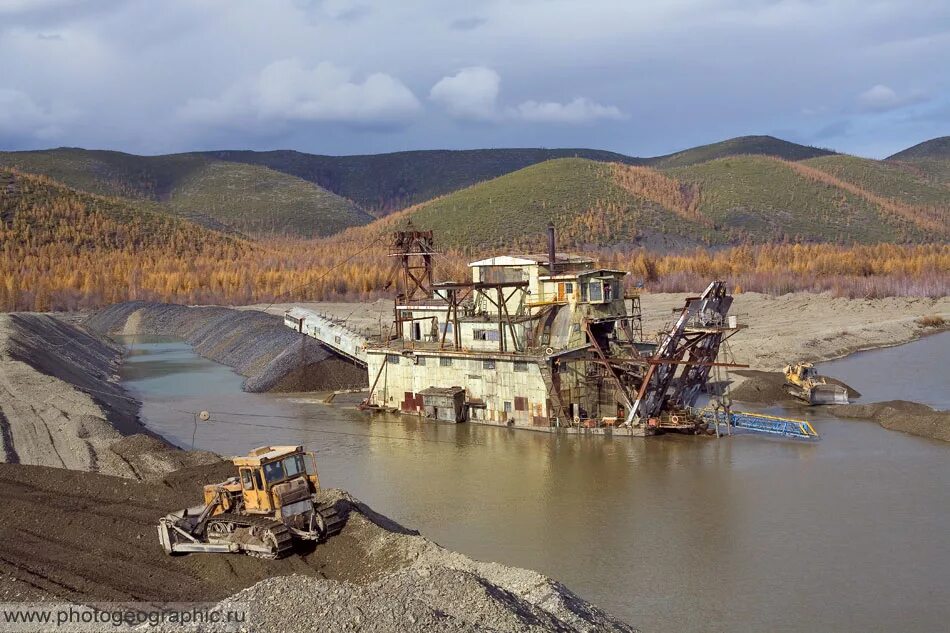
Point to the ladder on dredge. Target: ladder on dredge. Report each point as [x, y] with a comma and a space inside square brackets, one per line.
[761, 423]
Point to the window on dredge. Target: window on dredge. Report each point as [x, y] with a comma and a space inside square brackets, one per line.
[392, 359]
[488, 363]
[445, 361]
[521, 365]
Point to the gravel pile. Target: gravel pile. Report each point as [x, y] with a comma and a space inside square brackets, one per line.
[257, 345]
[421, 598]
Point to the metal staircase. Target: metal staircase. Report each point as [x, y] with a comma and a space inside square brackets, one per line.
[555, 398]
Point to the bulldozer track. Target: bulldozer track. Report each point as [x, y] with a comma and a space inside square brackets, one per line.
[282, 538]
[332, 519]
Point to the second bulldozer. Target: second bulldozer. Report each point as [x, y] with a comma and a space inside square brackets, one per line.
[803, 382]
[261, 512]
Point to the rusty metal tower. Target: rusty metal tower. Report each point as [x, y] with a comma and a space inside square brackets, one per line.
[411, 272]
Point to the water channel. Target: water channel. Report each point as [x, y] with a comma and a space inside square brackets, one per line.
[671, 533]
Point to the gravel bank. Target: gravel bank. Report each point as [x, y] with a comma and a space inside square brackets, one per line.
[258, 346]
[900, 415]
[61, 406]
[375, 575]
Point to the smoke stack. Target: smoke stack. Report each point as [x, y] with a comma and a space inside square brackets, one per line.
[551, 249]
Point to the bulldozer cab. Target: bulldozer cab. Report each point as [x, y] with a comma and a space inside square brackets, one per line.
[801, 372]
[269, 466]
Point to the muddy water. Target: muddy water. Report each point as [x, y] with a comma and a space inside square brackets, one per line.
[918, 371]
[672, 533]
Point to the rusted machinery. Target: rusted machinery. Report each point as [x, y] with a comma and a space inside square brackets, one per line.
[260, 512]
[803, 382]
[692, 342]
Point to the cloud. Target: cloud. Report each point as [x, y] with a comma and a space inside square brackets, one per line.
[580, 110]
[467, 24]
[470, 94]
[13, 7]
[881, 98]
[287, 91]
[22, 117]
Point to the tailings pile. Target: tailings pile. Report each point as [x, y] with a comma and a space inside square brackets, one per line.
[256, 345]
[61, 404]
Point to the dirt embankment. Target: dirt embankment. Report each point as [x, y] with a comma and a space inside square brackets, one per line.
[812, 327]
[900, 415]
[258, 346]
[97, 542]
[61, 406]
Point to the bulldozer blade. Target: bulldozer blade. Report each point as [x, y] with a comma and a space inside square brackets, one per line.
[828, 394]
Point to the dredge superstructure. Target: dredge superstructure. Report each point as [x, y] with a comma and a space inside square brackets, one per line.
[544, 341]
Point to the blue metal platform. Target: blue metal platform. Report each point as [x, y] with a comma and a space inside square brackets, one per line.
[768, 424]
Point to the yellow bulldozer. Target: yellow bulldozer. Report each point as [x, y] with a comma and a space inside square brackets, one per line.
[261, 512]
[803, 382]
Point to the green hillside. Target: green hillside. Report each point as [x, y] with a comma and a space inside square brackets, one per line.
[728, 200]
[885, 178]
[934, 148]
[37, 212]
[246, 198]
[769, 199]
[755, 145]
[262, 201]
[579, 195]
[930, 159]
[387, 182]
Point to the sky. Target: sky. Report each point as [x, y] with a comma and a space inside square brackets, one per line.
[868, 77]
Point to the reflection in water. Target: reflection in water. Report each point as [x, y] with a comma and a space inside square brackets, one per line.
[673, 533]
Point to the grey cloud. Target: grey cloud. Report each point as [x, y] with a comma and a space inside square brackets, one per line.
[467, 24]
[472, 94]
[633, 76]
[287, 91]
[881, 98]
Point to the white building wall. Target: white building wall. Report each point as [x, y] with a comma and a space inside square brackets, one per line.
[493, 387]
